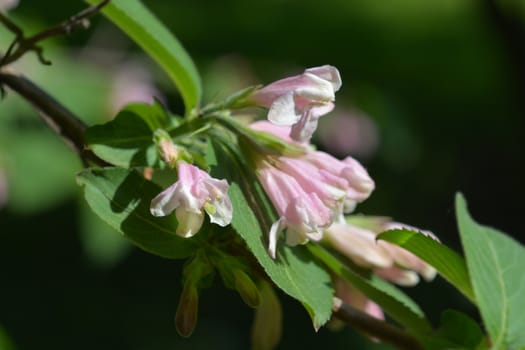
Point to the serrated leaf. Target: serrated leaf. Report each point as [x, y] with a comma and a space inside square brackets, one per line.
[295, 270]
[495, 262]
[127, 140]
[148, 32]
[122, 198]
[392, 300]
[447, 262]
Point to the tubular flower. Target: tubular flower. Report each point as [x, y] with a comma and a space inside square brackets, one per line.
[300, 100]
[340, 184]
[302, 214]
[318, 182]
[194, 191]
[354, 297]
[387, 260]
[407, 265]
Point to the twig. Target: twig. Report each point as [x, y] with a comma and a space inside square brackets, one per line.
[24, 45]
[60, 119]
[375, 328]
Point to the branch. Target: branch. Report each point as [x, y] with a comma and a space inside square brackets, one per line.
[375, 328]
[24, 45]
[60, 119]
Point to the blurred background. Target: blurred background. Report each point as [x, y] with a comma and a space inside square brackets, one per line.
[433, 102]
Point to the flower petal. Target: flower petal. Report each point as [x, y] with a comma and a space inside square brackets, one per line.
[283, 111]
[303, 130]
[329, 73]
[166, 202]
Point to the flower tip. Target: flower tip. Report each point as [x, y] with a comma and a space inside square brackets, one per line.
[155, 211]
[329, 73]
[187, 311]
[408, 279]
[429, 273]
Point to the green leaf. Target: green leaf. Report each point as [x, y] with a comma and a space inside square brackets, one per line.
[148, 32]
[457, 331]
[447, 262]
[460, 329]
[121, 198]
[127, 140]
[294, 270]
[495, 262]
[392, 300]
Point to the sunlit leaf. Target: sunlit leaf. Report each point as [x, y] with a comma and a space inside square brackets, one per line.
[392, 300]
[447, 262]
[495, 262]
[148, 32]
[294, 270]
[122, 198]
[127, 140]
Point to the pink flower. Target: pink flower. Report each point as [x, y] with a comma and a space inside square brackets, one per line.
[407, 265]
[358, 244]
[300, 100]
[348, 175]
[194, 191]
[340, 184]
[352, 296]
[6, 5]
[387, 260]
[302, 214]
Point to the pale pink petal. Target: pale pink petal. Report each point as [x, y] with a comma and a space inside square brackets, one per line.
[304, 128]
[328, 73]
[358, 244]
[406, 278]
[166, 202]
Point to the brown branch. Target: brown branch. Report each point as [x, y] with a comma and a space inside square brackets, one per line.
[375, 328]
[60, 119]
[23, 45]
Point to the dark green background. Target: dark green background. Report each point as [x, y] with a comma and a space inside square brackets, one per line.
[444, 81]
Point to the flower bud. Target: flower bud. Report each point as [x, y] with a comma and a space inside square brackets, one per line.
[266, 329]
[187, 311]
[166, 148]
[246, 288]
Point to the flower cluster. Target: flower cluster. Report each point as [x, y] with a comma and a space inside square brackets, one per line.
[309, 192]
